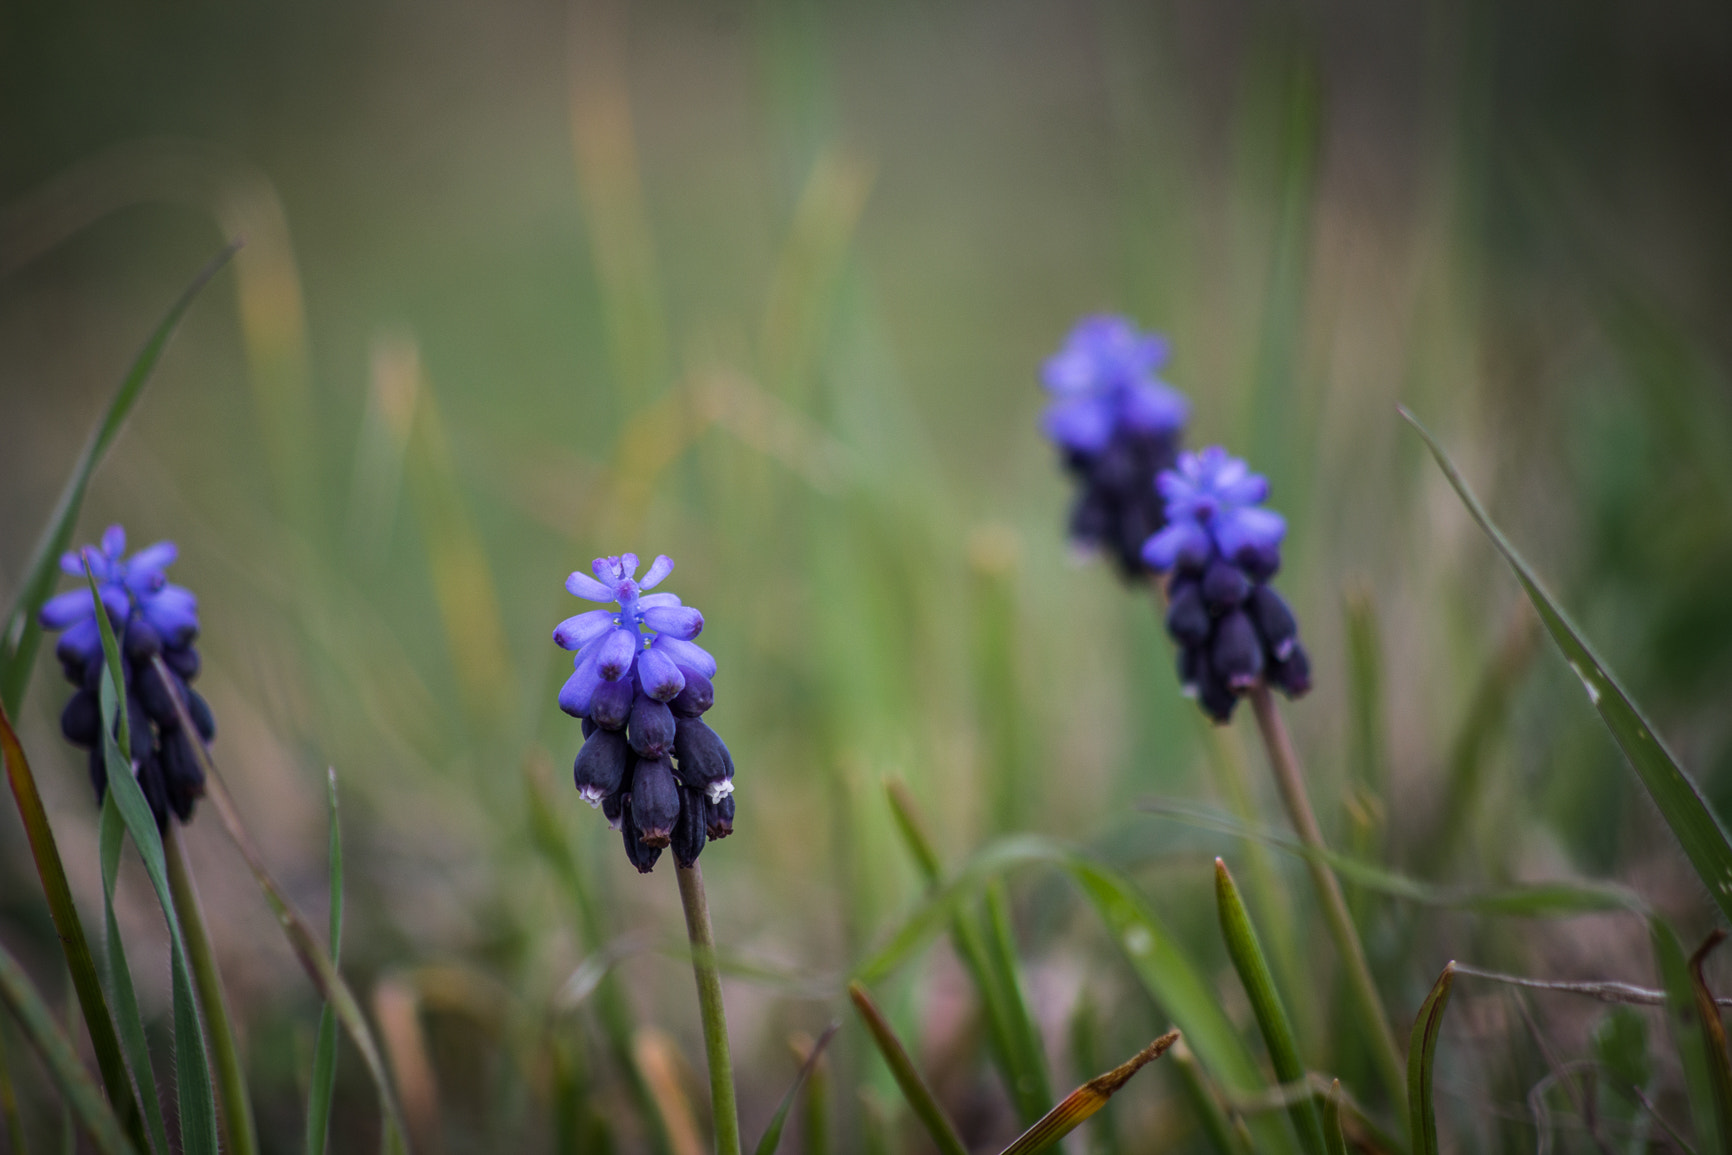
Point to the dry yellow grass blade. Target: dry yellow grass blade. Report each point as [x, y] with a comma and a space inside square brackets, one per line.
[1086, 1100]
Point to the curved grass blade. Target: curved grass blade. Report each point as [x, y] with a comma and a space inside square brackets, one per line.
[914, 1089]
[61, 1060]
[1679, 800]
[111, 834]
[1689, 1040]
[990, 959]
[313, 957]
[1524, 900]
[198, 1121]
[1421, 1049]
[1166, 973]
[1086, 1100]
[1713, 1032]
[324, 1080]
[773, 1133]
[9, 1102]
[22, 633]
[70, 930]
[1248, 959]
[1333, 1140]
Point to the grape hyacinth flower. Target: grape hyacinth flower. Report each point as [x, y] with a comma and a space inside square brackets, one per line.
[1118, 426]
[151, 619]
[641, 685]
[1222, 548]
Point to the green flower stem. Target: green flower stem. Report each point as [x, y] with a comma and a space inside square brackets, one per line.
[703, 939]
[231, 1079]
[1290, 781]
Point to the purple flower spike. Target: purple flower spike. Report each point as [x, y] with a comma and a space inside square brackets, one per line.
[1222, 548]
[152, 619]
[638, 681]
[1117, 425]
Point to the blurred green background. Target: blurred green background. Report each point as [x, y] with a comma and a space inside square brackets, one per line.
[766, 287]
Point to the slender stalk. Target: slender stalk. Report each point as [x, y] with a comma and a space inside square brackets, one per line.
[1290, 782]
[231, 1079]
[709, 978]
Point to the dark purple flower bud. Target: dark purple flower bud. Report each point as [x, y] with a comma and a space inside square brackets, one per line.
[183, 660]
[183, 777]
[719, 817]
[703, 760]
[157, 696]
[612, 807]
[202, 719]
[1292, 674]
[652, 727]
[601, 766]
[697, 697]
[1187, 617]
[655, 801]
[98, 767]
[1236, 654]
[138, 723]
[637, 851]
[1260, 562]
[610, 706]
[690, 831]
[150, 781]
[1274, 622]
[1213, 693]
[141, 642]
[1224, 587]
[81, 721]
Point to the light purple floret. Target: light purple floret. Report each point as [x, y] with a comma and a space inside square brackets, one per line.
[1104, 379]
[1213, 507]
[646, 637]
[125, 585]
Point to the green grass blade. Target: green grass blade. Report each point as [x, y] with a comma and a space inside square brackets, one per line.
[914, 1089]
[111, 832]
[773, 1133]
[70, 930]
[324, 1081]
[1166, 973]
[1334, 1141]
[1679, 801]
[1086, 1100]
[22, 633]
[198, 1121]
[1421, 1050]
[9, 1101]
[1684, 1019]
[989, 955]
[1713, 1033]
[1248, 959]
[82, 1095]
[314, 959]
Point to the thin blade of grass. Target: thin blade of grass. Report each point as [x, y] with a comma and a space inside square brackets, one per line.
[324, 1080]
[1206, 1103]
[1713, 1032]
[1166, 973]
[914, 1089]
[198, 1121]
[773, 1133]
[98, 1022]
[110, 837]
[1689, 1038]
[1421, 1051]
[55, 1049]
[990, 959]
[1086, 1100]
[1679, 800]
[1254, 974]
[314, 959]
[1334, 1141]
[23, 633]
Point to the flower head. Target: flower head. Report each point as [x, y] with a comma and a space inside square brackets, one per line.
[640, 684]
[1117, 425]
[1222, 548]
[152, 620]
